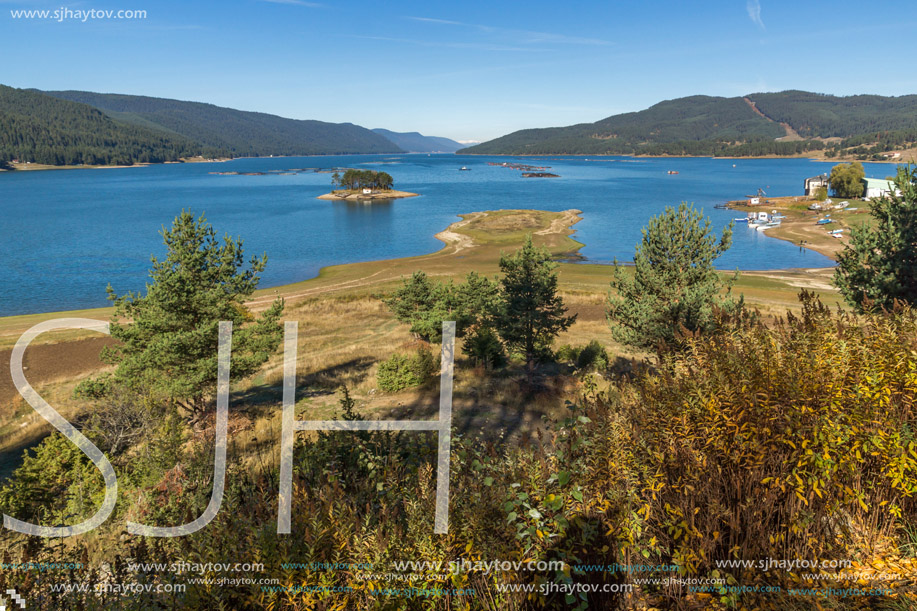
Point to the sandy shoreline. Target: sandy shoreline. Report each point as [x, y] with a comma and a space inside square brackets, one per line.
[35, 167]
[800, 226]
[844, 159]
[354, 196]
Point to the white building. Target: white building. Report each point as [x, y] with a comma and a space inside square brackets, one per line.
[877, 187]
[814, 183]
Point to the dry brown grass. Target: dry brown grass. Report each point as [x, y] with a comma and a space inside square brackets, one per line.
[341, 342]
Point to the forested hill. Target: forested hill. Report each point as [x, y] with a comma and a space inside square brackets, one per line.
[741, 126]
[41, 129]
[238, 132]
[414, 142]
[814, 115]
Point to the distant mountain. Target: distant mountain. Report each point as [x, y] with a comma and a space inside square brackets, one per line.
[41, 129]
[237, 132]
[414, 142]
[785, 123]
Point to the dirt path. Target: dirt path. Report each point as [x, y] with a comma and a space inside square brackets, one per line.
[68, 359]
[44, 363]
[791, 134]
[816, 278]
[458, 241]
[569, 218]
[454, 243]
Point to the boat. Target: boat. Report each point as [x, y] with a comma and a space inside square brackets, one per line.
[743, 219]
[823, 221]
[464, 169]
[673, 171]
[765, 226]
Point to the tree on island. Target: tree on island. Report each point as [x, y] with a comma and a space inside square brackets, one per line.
[168, 338]
[531, 313]
[879, 264]
[846, 179]
[363, 179]
[674, 286]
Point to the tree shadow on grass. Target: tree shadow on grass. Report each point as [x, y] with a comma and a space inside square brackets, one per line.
[498, 407]
[316, 384]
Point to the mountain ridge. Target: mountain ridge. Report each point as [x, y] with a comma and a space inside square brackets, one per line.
[785, 123]
[37, 128]
[240, 132]
[415, 142]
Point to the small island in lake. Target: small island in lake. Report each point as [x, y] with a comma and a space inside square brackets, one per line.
[363, 185]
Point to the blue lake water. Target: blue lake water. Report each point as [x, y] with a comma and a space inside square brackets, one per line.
[65, 235]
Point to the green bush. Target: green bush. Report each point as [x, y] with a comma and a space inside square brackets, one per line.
[402, 371]
[93, 388]
[567, 353]
[592, 356]
[484, 348]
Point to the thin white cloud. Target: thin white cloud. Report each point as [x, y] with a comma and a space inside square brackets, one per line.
[442, 21]
[479, 46]
[754, 12]
[521, 36]
[296, 3]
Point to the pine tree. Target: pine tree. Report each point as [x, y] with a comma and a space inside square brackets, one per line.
[879, 265]
[531, 313]
[425, 304]
[168, 338]
[674, 286]
[421, 304]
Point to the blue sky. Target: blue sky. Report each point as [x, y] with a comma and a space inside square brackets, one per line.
[465, 70]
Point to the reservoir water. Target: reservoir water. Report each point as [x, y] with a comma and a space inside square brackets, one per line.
[66, 234]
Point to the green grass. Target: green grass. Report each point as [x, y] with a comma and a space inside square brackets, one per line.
[12, 327]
